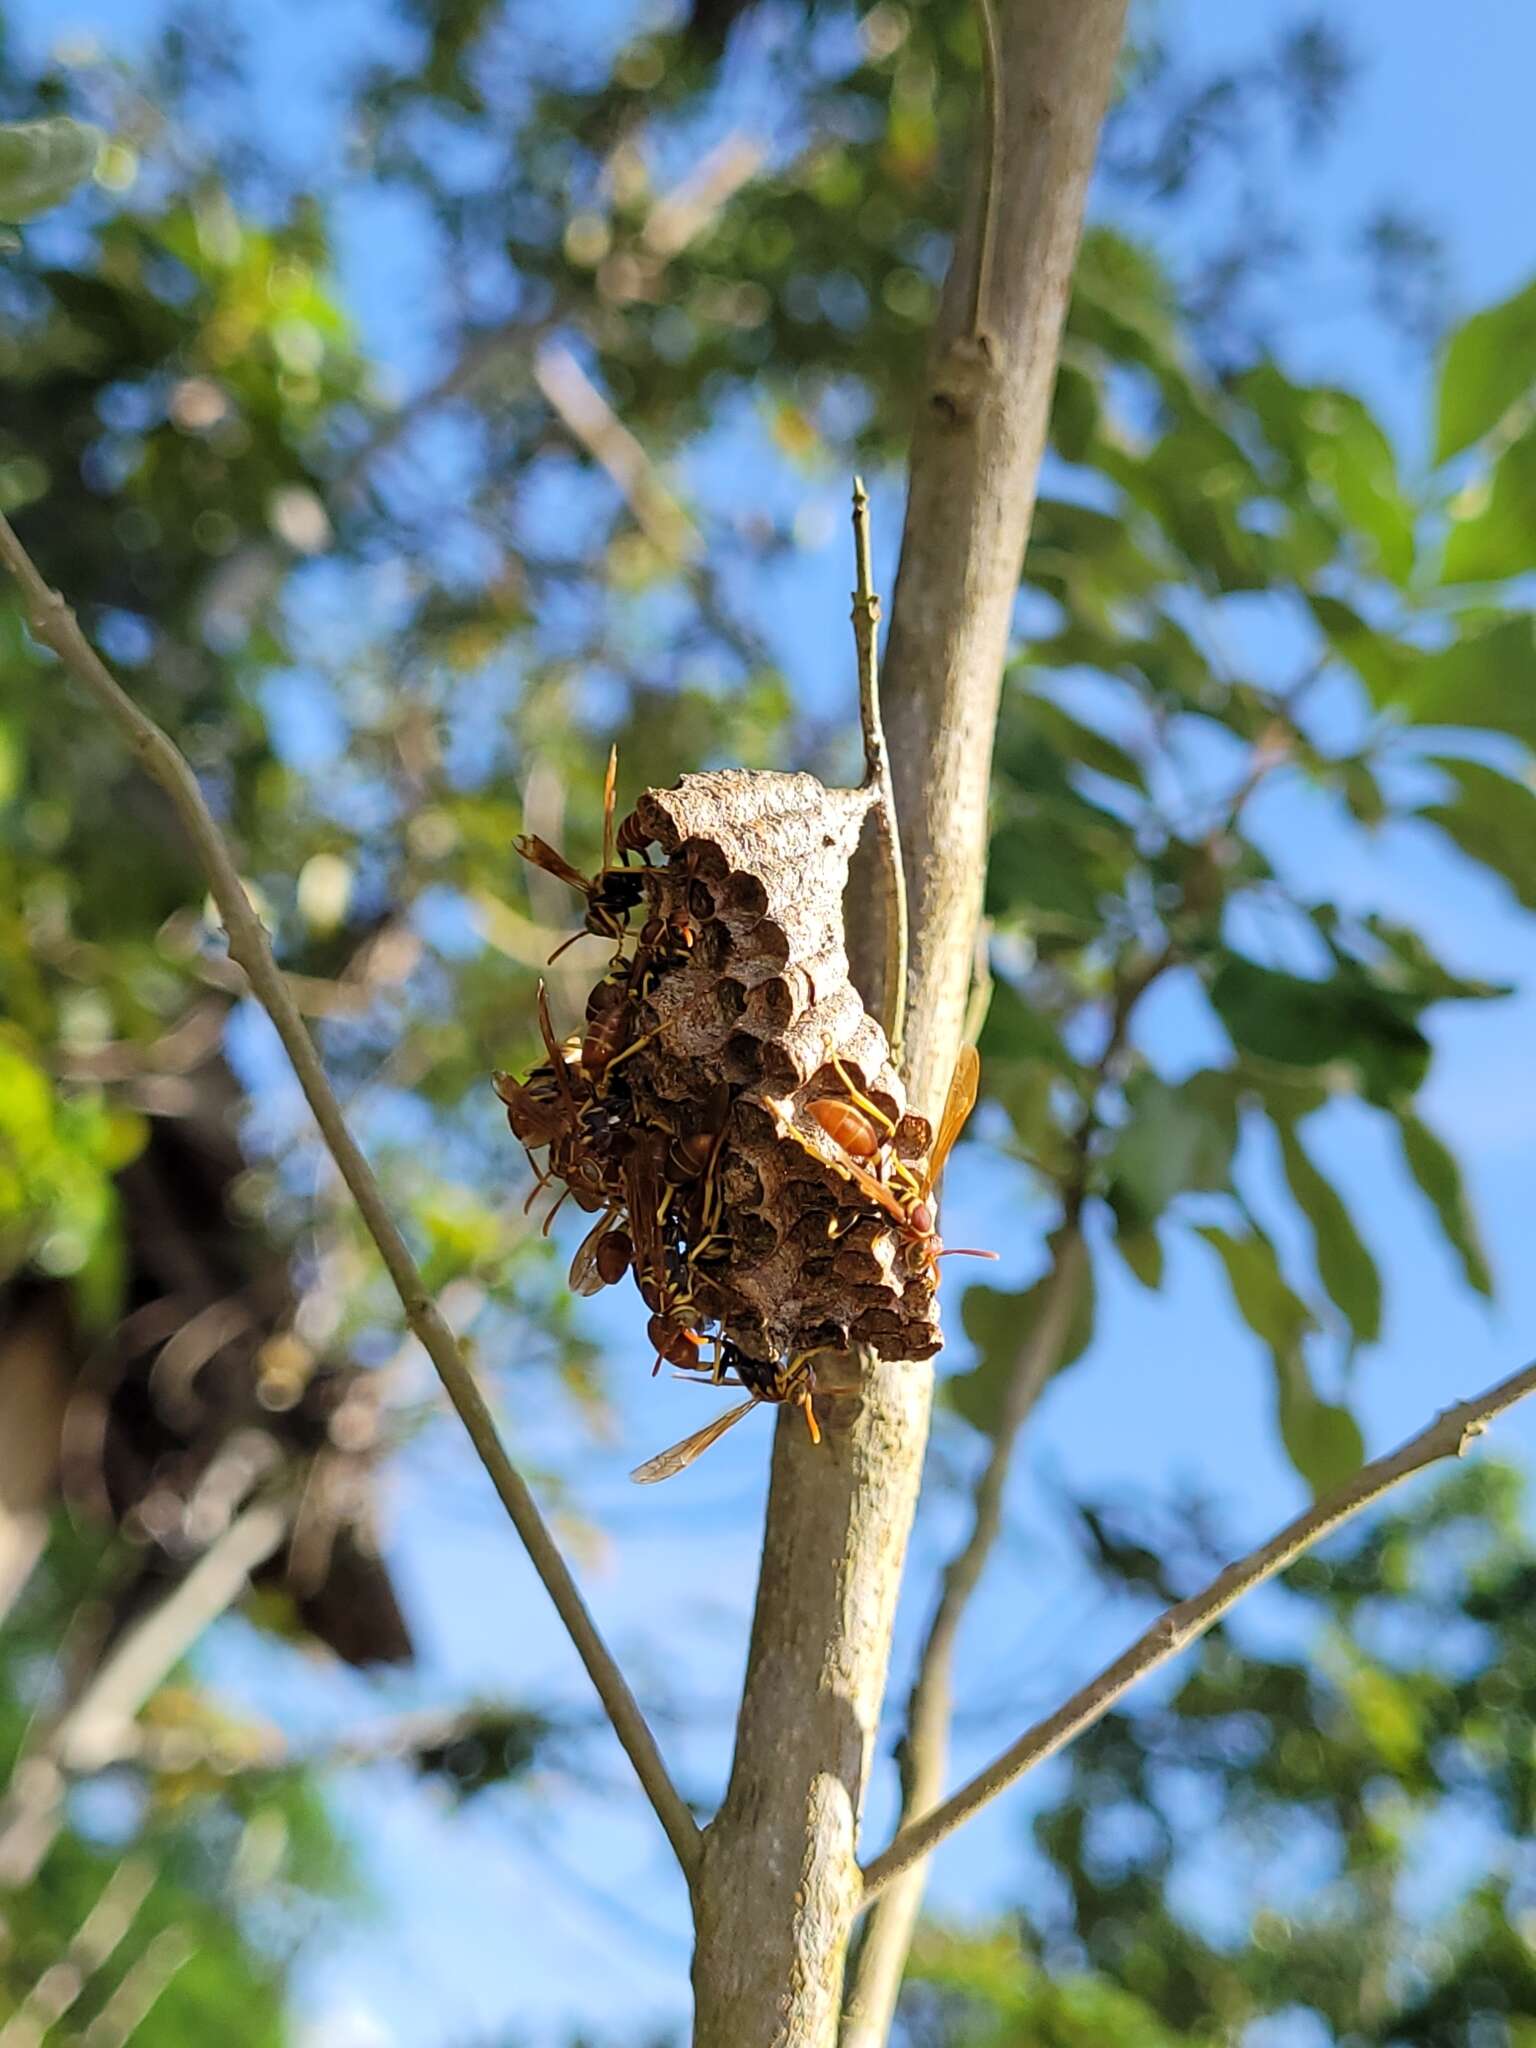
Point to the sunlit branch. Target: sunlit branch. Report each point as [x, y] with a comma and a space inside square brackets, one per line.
[1446, 1437]
[881, 1961]
[93, 1945]
[592, 421]
[55, 626]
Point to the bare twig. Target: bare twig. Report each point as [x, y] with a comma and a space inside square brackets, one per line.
[91, 1731]
[55, 626]
[134, 1999]
[882, 1955]
[681, 215]
[992, 170]
[592, 421]
[96, 1939]
[877, 1973]
[1448, 1436]
[877, 772]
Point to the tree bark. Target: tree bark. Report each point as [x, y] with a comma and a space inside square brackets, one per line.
[778, 1887]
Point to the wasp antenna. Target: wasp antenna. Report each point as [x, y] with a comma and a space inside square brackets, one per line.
[965, 1251]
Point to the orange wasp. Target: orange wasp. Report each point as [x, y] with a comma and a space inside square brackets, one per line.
[855, 1128]
[770, 1385]
[612, 893]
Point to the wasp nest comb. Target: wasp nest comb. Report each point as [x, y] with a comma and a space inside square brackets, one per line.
[731, 1113]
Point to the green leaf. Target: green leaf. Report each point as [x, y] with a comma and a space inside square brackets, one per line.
[1333, 448]
[1493, 820]
[1490, 361]
[41, 163]
[1344, 1264]
[1322, 1440]
[1486, 678]
[1347, 1019]
[1434, 1167]
[1032, 723]
[1174, 1139]
[1414, 972]
[1388, 668]
[1000, 1323]
[1137, 1243]
[1493, 526]
[1016, 1030]
[1194, 481]
[1266, 1301]
[1055, 861]
[1074, 412]
[1090, 560]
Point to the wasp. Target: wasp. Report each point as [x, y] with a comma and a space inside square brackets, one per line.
[534, 1107]
[649, 1198]
[855, 1128]
[604, 1255]
[633, 838]
[612, 893]
[581, 1137]
[769, 1384]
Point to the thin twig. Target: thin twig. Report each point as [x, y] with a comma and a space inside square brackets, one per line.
[882, 1956]
[91, 1731]
[134, 1999]
[1448, 1436]
[95, 1941]
[877, 774]
[55, 626]
[991, 91]
[594, 424]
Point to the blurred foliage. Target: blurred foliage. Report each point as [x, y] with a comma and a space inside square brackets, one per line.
[224, 1873]
[1335, 1838]
[391, 630]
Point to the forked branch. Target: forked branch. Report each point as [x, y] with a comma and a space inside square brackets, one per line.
[1446, 1437]
[55, 626]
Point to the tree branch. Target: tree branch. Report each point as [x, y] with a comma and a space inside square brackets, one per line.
[135, 1997]
[877, 770]
[887, 1938]
[99, 1934]
[91, 1730]
[780, 1885]
[55, 626]
[882, 1955]
[1446, 1437]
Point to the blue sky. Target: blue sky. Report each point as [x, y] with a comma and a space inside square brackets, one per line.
[561, 1908]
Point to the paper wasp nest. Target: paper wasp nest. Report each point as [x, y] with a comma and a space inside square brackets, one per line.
[761, 1001]
[731, 1113]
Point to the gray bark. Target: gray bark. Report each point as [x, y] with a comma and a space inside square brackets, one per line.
[778, 1887]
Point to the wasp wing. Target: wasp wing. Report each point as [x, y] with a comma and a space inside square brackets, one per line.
[645, 1197]
[958, 1105]
[543, 855]
[677, 1457]
[609, 781]
[585, 1279]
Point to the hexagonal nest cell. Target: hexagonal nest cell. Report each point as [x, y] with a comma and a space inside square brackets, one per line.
[730, 1115]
